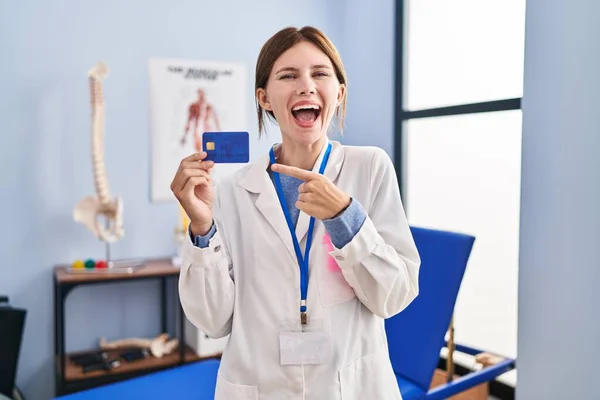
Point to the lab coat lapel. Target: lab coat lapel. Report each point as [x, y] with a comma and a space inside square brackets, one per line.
[257, 180]
[336, 158]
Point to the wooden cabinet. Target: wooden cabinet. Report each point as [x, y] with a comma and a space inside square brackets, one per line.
[70, 377]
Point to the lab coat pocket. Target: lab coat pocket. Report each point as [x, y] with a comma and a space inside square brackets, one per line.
[370, 377]
[226, 390]
[333, 287]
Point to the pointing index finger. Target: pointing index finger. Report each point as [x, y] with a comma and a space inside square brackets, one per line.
[293, 171]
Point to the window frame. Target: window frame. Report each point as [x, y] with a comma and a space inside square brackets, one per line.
[401, 115]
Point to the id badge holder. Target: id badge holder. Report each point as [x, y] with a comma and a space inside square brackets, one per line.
[309, 346]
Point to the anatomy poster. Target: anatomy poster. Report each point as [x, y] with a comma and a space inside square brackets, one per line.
[188, 98]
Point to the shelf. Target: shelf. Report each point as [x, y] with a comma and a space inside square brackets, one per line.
[75, 373]
[72, 378]
[151, 268]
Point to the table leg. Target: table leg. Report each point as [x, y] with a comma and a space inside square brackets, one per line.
[59, 338]
[63, 355]
[163, 302]
[57, 350]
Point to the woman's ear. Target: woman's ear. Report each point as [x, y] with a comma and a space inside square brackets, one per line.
[261, 95]
[341, 94]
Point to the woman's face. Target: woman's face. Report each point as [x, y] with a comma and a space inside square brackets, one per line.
[303, 92]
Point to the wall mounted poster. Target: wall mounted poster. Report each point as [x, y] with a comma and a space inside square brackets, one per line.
[188, 98]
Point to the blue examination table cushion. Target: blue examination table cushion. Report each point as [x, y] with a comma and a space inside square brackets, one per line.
[195, 381]
[410, 390]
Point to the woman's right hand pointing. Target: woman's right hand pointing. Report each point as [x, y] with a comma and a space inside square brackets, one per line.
[193, 189]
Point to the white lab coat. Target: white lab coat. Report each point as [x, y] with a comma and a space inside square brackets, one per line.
[247, 284]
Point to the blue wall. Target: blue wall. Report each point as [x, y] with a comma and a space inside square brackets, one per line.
[46, 50]
[559, 271]
[367, 47]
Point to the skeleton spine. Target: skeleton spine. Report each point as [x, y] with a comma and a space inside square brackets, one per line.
[99, 167]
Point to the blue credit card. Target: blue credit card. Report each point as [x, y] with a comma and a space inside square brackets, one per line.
[226, 147]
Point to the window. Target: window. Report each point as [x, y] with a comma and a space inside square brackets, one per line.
[463, 51]
[459, 81]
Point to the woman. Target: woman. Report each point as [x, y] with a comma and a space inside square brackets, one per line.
[301, 255]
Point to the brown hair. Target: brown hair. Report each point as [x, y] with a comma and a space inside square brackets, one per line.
[279, 44]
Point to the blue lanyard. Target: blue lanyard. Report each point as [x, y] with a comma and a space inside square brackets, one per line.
[302, 261]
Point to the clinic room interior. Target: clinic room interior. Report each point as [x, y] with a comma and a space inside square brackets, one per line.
[487, 111]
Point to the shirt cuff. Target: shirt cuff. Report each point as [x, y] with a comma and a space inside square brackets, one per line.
[346, 225]
[200, 240]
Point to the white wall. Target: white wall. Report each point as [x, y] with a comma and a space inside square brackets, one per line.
[559, 323]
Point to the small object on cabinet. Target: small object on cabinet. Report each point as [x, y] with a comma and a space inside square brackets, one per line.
[106, 366]
[134, 355]
[83, 360]
[91, 266]
[159, 346]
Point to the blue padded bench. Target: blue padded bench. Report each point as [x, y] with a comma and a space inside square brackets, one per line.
[417, 335]
[194, 381]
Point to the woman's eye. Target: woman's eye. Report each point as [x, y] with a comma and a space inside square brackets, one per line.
[321, 74]
[286, 76]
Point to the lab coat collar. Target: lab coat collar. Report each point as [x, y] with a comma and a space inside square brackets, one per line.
[257, 180]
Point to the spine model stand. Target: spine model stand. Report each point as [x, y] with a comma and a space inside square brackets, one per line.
[88, 210]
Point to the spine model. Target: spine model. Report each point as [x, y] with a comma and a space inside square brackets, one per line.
[109, 228]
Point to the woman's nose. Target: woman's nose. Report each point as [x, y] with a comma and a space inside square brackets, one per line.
[306, 86]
